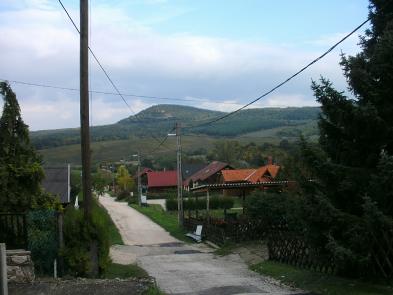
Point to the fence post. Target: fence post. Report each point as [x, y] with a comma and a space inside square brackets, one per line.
[3, 270]
[61, 241]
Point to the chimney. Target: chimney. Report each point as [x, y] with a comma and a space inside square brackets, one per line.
[270, 160]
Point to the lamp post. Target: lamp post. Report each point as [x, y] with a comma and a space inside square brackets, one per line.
[180, 214]
[139, 179]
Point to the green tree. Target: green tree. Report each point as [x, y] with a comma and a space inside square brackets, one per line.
[20, 166]
[124, 180]
[352, 166]
[101, 179]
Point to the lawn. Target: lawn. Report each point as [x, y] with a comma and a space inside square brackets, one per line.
[113, 232]
[318, 282]
[121, 271]
[165, 219]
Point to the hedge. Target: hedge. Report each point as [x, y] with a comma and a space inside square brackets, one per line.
[200, 204]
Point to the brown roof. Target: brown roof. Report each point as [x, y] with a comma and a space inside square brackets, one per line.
[208, 171]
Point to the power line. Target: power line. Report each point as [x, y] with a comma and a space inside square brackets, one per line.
[199, 100]
[104, 71]
[285, 81]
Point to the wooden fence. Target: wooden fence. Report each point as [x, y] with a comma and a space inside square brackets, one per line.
[13, 230]
[219, 231]
[381, 248]
[291, 248]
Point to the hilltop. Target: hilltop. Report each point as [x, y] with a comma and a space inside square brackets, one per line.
[158, 120]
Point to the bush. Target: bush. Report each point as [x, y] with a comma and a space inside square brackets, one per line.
[216, 202]
[77, 237]
[42, 237]
[123, 195]
[275, 208]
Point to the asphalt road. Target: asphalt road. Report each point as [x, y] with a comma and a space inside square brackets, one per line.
[182, 268]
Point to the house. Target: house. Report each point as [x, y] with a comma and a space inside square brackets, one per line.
[207, 175]
[263, 174]
[57, 182]
[189, 169]
[267, 173]
[160, 181]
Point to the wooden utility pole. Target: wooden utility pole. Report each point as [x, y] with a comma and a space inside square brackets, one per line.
[84, 107]
[85, 128]
[179, 177]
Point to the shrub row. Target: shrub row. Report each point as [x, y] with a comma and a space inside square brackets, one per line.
[200, 204]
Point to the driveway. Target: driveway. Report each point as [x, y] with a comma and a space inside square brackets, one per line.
[181, 268]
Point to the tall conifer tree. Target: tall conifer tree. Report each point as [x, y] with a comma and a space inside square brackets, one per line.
[20, 167]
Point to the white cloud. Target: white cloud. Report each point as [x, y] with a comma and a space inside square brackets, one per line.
[40, 45]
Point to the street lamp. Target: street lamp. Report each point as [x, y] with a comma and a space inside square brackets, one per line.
[180, 214]
[139, 179]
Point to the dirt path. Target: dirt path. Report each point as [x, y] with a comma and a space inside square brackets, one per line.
[181, 268]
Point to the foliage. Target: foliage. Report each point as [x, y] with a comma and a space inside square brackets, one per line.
[43, 239]
[351, 170]
[276, 208]
[114, 236]
[77, 237]
[20, 166]
[161, 118]
[319, 283]
[122, 271]
[100, 180]
[124, 180]
[215, 202]
[76, 184]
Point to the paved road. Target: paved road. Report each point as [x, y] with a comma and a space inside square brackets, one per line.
[180, 268]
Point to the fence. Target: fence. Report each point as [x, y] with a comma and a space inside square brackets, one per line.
[13, 230]
[291, 248]
[220, 231]
[381, 248]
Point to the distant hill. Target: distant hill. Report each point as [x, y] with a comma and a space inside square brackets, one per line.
[158, 120]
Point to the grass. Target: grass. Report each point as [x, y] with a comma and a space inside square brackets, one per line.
[166, 220]
[113, 232]
[226, 249]
[317, 282]
[121, 271]
[153, 290]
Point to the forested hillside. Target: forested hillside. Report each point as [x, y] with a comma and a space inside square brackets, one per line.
[159, 119]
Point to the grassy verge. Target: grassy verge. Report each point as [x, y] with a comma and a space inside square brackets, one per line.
[166, 220]
[121, 271]
[113, 232]
[153, 290]
[317, 282]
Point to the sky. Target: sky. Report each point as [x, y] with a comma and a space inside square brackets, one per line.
[217, 54]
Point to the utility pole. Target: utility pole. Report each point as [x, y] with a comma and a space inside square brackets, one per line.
[85, 128]
[139, 179]
[180, 213]
[179, 176]
[84, 107]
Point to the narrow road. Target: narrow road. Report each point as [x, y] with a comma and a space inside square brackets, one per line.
[180, 268]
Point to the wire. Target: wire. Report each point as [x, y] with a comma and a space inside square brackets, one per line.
[105, 72]
[124, 94]
[285, 81]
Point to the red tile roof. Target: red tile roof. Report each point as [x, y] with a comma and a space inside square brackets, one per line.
[161, 178]
[264, 173]
[208, 171]
[237, 175]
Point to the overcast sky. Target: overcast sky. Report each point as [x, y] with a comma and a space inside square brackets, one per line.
[221, 53]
